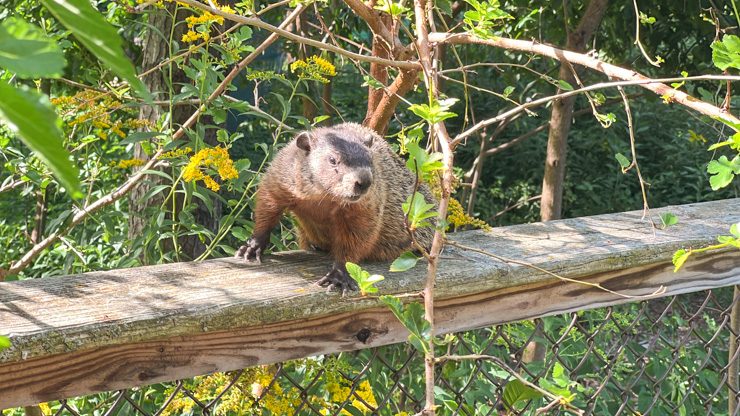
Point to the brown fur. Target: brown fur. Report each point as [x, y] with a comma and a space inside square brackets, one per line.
[352, 210]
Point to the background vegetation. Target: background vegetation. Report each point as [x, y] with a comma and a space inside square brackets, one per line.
[196, 201]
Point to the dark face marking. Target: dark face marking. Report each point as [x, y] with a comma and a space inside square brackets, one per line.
[353, 154]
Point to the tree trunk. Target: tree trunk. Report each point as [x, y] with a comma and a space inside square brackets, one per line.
[562, 116]
[39, 222]
[304, 52]
[155, 51]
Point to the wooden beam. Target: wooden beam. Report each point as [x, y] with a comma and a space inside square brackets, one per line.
[100, 331]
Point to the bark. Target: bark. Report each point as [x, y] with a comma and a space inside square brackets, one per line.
[156, 50]
[326, 97]
[39, 222]
[379, 73]
[562, 116]
[304, 52]
[385, 108]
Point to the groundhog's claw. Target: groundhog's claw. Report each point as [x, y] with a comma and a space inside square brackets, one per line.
[253, 249]
[340, 279]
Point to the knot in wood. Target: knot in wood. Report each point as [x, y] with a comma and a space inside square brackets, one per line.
[363, 335]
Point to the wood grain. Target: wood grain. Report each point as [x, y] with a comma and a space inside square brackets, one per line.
[76, 335]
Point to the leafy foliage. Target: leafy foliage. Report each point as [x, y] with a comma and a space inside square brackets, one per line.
[412, 317]
[363, 278]
[100, 129]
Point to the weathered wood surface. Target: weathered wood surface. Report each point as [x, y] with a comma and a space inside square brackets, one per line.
[75, 335]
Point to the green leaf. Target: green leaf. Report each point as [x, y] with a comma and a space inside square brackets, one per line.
[646, 20]
[418, 212]
[425, 162]
[623, 161]
[91, 29]
[363, 278]
[445, 6]
[395, 305]
[404, 262]
[356, 271]
[668, 219]
[412, 317]
[516, 391]
[679, 257]
[723, 171]
[371, 82]
[394, 9]
[27, 51]
[415, 322]
[735, 230]
[508, 90]
[564, 85]
[31, 116]
[726, 53]
[436, 113]
[555, 389]
[4, 342]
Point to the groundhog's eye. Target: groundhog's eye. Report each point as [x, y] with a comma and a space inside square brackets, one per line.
[332, 161]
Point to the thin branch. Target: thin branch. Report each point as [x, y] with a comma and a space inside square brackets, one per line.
[590, 62]
[698, 105]
[292, 36]
[11, 185]
[637, 37]
[272, 6]
[531, 133]
[422, 46]
[657, 292]
[645, 207]
[509, 208]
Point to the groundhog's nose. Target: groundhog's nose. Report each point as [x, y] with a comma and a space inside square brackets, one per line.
[363, 182]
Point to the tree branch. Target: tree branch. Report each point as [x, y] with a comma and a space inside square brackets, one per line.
[292, 36]
[403, 83]
[613, 71]
[646, 82]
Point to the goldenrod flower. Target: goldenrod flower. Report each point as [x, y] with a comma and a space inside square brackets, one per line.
[176, 154]
[456, 216]
[190, 36]
[125, 164]
[216, 158]
[314, 68]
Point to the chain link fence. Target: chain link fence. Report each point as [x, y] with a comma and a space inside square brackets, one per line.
[665, 356]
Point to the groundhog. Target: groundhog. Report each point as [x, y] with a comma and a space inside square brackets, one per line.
[345, 185]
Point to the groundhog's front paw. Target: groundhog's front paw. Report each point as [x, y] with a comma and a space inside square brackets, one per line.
[339, 278]
[253, 249]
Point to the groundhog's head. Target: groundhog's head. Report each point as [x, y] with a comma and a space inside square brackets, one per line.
[339, 162]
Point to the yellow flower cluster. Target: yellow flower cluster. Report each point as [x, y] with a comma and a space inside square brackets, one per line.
[279, 402]
[262, 75]
[340, 388]
[125, 164]
[216, 158]
[314, 69]
[206, 20]
[236, 400]
[98, 110]
[456, 216]
[176, 154]
[455, 213]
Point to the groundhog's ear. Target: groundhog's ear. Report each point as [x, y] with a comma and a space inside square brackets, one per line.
[369, 140]
[303, 141]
